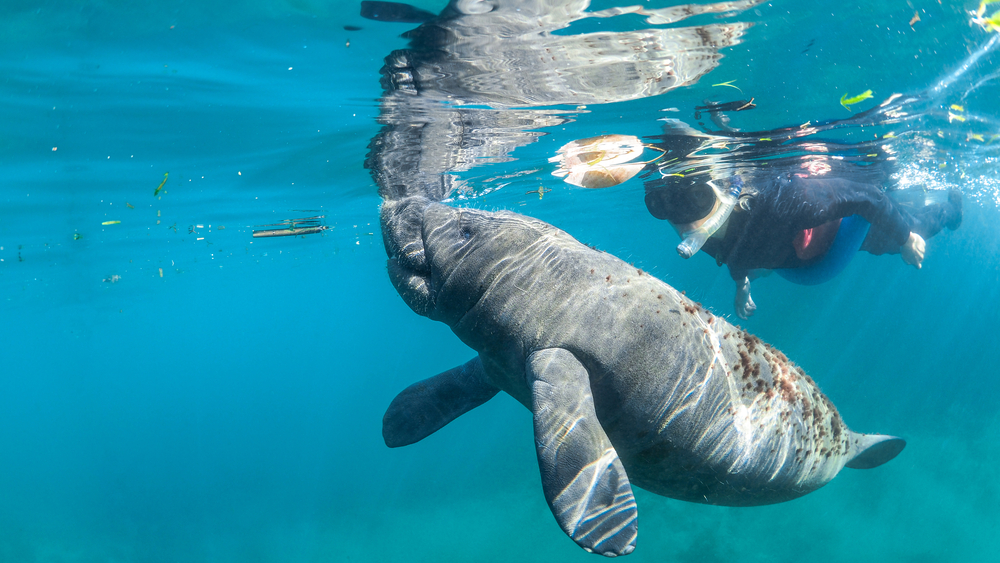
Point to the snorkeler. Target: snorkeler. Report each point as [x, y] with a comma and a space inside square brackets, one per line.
[791, 223]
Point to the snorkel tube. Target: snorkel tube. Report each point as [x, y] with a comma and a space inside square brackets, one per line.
[696, 238]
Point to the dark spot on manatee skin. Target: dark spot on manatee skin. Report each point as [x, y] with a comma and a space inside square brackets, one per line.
[787, 390]
[659, 296]
[591, 270]
[608, 279]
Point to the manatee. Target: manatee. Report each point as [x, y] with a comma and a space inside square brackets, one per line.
[629, 382]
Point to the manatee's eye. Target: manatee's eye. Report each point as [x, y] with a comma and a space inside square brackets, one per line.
[472, 7]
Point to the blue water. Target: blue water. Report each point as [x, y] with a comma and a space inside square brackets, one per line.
[173, 389]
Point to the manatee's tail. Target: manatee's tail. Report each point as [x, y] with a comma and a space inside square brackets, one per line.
[426, 406]
[872, 450]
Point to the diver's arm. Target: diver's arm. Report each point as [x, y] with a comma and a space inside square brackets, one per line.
[743, 303]
[913, 250]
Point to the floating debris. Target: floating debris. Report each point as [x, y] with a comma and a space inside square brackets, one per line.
[112, 279]
[111, 223]
[541, 191]
[77, 236]
[914, 19]
[991, 23]
[156, 192]
[129, 205]
[713, 108]
[728, 83]
[850, 101]
[293, 227]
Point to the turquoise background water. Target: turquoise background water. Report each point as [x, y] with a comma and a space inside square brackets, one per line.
[230, 409]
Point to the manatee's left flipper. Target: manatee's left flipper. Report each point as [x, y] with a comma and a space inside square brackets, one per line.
[583, 479]
[426, 406]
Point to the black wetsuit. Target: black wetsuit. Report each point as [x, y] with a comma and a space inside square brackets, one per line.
[762, 237]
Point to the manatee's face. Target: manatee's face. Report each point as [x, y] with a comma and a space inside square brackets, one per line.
[471, 239]
[467, 249]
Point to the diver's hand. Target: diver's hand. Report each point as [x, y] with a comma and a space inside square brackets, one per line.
[744, 304]
[913, 250]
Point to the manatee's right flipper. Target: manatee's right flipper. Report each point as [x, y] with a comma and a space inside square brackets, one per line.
[872, 450]
[426, 406]
[583, 479]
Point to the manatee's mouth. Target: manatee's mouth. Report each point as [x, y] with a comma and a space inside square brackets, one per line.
[412, 286]
[404, 229]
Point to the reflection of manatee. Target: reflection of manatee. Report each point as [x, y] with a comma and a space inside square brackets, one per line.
[508, 54]
[627, 380]
[393, 12]
[448, 98]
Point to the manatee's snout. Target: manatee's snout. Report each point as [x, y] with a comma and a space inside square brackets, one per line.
[404, 224]
[438, 217]
[434, 236]
[446, 231]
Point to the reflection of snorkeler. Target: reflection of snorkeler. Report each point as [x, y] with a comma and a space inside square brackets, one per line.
[793, 221]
